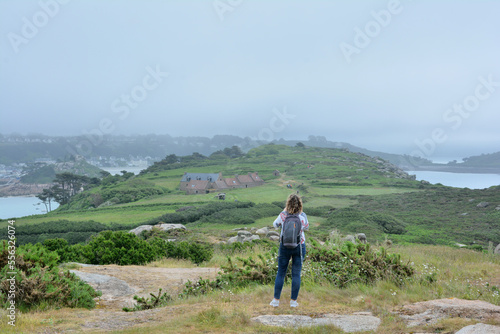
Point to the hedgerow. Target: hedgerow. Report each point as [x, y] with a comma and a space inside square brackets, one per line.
[72, 231]
[118, 247]
[242, 215]
[353, 220]
[193, 214]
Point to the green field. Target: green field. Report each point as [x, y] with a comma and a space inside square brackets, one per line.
[331, 178]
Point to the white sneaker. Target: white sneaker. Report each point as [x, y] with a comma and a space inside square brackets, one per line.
[275, 303]
[293, 303]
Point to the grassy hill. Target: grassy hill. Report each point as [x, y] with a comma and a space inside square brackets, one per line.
[42, 173]
[342, 190]
[484, 160]
[345, 191]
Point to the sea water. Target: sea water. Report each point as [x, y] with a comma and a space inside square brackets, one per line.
[20, 206]
[459, 180]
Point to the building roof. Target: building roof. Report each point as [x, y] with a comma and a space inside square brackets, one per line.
[200, 176]
[220, 184]
[255, 177]
[245, 178]
[232, 181]
[197, 185]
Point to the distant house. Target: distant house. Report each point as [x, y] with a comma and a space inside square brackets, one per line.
[250, 180]
[198, 183]
[232, 182]
[204, 183]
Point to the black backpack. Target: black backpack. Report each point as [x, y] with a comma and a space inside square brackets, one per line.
[290, 235]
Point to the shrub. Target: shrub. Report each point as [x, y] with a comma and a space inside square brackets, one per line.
[388, 223]
[195, 213]
[124, 248]
[119, 248]
[149, 303]
[375, 224]
[72, 231]
[356, 263]
[39, 282]
[245, 215]
[341, 266]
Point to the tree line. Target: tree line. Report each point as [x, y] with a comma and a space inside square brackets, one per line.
[66, 185]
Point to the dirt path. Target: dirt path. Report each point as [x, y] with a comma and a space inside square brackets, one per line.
[120, 283]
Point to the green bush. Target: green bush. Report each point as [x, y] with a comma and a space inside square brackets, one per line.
[341, 266]
[119, 248]
[39, 282]
[242, 216]
[195, 213]
[72, 231]
[116, 189]
[388, 223]
[353, 263]
[149, 303]
[373, 224]
[124, 248]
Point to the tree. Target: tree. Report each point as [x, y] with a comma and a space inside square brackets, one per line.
[47, 196]
[233, 152]
[104, 174]
[300, 144]
[171, 159]
[126, 175]
[68, 185]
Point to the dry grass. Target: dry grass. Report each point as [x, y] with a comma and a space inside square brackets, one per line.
[171, 263]
[459, 273]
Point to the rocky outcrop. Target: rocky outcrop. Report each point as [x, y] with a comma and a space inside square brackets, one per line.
[22, 189]
[336, 236]
[483, 205]
[350, 238]
[356, 322]
[362, 238]
[163, 227]
[110, 287]
[273, 235]
[254, 234]
[243, 236]
[262, 231]
[497, 250]
[429, 312]
[417, 314]
[479, 329]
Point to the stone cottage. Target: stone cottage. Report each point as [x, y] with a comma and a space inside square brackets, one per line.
[204, 183]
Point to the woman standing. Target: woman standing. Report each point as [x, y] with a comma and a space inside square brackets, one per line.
[297, 254]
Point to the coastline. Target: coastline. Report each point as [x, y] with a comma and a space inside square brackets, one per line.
[23, 189]
[453, 169]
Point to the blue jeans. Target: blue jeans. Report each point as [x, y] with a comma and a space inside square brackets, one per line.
[283, 258]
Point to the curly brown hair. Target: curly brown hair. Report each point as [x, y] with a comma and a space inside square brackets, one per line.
[293, 204]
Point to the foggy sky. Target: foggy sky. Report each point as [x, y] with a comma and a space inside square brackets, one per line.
[410, 77]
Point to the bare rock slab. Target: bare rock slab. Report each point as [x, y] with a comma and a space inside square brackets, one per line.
[356, 322]
[479, 329]
[110, 287]
[431, 311]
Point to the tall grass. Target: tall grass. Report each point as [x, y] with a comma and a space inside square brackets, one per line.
[442, 272]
